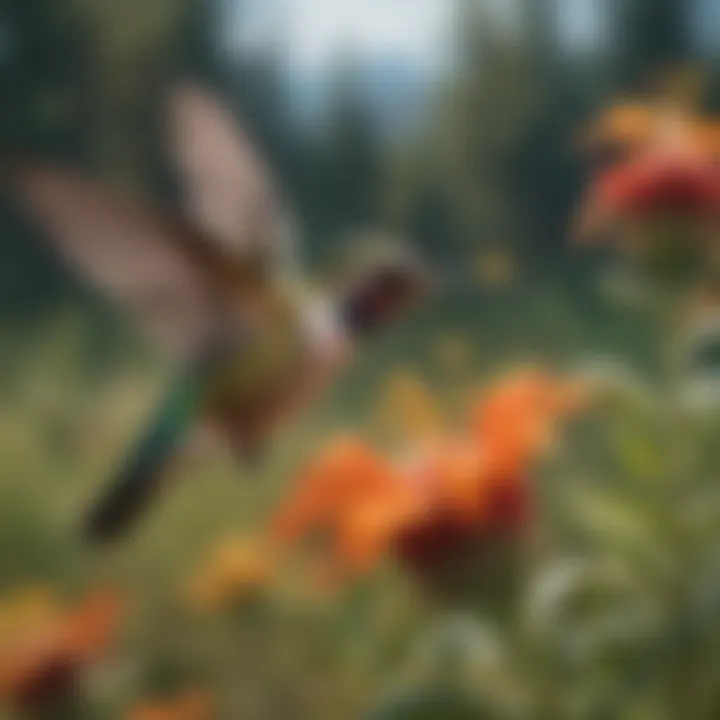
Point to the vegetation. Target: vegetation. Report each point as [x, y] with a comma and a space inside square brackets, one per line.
[620, 605]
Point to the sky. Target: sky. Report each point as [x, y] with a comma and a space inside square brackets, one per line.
[401, 47]
[707, 25]
[415, 32]
[314, 31]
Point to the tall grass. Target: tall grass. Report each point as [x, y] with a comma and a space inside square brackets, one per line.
[625, 554]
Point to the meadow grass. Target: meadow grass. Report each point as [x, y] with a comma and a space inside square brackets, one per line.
[625, 545]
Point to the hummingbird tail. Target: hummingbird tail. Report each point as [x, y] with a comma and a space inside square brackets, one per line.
[142, 478]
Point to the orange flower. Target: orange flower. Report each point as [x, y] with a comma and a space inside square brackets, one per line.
[42, 664]
[706, 138]
[351, 495]
[518, 418]
[624, 127]
[481, 490]
[628, 128]
[456, 490]
[196, 705]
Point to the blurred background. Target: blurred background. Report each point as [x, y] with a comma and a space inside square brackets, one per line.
[453, 122]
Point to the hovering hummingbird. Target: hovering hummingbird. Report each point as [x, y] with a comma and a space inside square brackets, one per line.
[218, 287]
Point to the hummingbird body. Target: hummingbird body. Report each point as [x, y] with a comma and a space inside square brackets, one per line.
[244, 383]
[289, 351]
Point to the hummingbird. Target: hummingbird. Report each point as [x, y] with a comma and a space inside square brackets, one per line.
[218, 286]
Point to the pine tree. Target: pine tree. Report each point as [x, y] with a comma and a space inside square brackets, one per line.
[654, 36]
[348, 176]
[459, 178]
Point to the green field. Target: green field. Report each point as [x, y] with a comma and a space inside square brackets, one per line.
[620, 585]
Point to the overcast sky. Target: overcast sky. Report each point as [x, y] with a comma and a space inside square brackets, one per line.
[313, 31]
[415, 31]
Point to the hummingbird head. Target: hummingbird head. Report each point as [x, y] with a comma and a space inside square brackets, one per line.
[383, 278]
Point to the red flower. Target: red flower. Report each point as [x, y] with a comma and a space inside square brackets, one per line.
[685, 185]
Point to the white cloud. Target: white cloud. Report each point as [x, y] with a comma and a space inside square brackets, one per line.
[314, 31]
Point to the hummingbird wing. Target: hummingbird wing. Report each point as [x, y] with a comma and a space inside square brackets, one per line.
[229, 191]
[160, 271]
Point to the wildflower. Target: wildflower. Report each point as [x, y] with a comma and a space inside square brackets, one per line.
[408, 408]
[353, 497]
[669, 111]
[687, 185]
[622, 128]
[517, 420]
[664, 208]
[26, 608]
[627, 129]
[442, 503]
[42, 664]
[707, 138]
[195, 705]
[236, 571]
[659, 197]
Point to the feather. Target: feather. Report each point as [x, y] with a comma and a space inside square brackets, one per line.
[141, 478]
[160, 272]
[229, 192]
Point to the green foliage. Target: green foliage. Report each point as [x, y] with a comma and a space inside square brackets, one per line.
[620, 599]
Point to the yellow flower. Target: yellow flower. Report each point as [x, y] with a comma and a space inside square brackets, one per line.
[28, 607]
[408, 408]
[237, 570]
